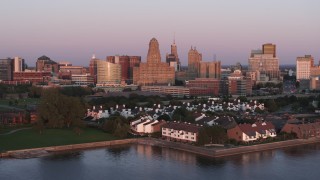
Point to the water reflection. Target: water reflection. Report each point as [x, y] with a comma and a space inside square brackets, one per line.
[150, 162]
[301, 151]
[63, 156]
[246, 159]
[118, 151]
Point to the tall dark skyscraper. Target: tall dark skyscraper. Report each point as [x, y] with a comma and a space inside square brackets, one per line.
[172, 59]
[6, 69]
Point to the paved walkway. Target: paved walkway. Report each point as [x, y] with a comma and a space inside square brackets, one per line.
[16, 130]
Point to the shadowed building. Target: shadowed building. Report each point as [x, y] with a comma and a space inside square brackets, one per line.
[194, 59]
[45, 64]
[6, 69]
[153, 72]
[172, 59]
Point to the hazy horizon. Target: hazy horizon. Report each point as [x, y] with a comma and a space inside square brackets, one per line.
[73, 30]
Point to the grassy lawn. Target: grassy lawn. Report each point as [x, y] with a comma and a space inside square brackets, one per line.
[5, 129]
[31, 138]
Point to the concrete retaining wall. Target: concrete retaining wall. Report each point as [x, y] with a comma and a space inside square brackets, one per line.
[227, 151]
[174, 145]
[70, 147]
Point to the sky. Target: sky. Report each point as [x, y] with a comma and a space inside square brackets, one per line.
[73, 30]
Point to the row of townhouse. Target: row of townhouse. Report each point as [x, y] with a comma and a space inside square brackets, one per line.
[181, 131]
[146, 125]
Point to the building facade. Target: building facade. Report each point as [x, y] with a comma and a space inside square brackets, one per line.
[252, 132]
[32, 77]
[45, 64]
[174, 91]
[303, 130]
[173, 59]
[210, 69]
[265, 63]
[194, 59]
[204, 87]
[108, 73]
[127, 63]
[153, 72]
[178, 131]
[304, 66]
[6, 69]
[18, 64]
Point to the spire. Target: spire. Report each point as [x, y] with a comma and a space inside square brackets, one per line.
[93, 56]
[174, 38]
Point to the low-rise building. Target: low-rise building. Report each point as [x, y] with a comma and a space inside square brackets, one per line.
[252, 132]
[303, 130]
[181, 131]
[174, 91]
[146, 125]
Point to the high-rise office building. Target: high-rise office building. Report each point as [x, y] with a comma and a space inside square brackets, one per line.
[108, 73]
[93, 68]
[304, 65]
[153, 72]
[6, 69]
[269, 49]
[18, 64]
[210, 69]
[127, 63]
[194, 59]
[265, 63]
[172, 59]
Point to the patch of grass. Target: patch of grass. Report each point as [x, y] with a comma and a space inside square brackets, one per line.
[30, 138]
[5, 129]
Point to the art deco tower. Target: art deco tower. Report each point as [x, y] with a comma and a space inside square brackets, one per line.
[153, 72]
[153, 52]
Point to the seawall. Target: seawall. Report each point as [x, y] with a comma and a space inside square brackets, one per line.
[228, 151]
[38, 152]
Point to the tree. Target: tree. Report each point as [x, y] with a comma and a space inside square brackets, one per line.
[213, 135]
[165, 117]
[57, 110]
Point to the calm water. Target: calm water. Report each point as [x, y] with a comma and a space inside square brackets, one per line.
[147, 162]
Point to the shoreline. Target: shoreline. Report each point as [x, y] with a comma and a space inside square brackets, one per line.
[213, 153]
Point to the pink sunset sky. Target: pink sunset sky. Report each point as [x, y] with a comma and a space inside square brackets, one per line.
[73, 30]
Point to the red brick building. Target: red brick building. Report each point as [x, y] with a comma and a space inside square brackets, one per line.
[204, 87]
[33, 77]
[303, 130]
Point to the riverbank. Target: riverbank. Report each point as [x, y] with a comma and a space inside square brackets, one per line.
[214, 153]
[43, 151]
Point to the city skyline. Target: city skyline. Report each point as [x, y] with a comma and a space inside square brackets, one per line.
[75, 30]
